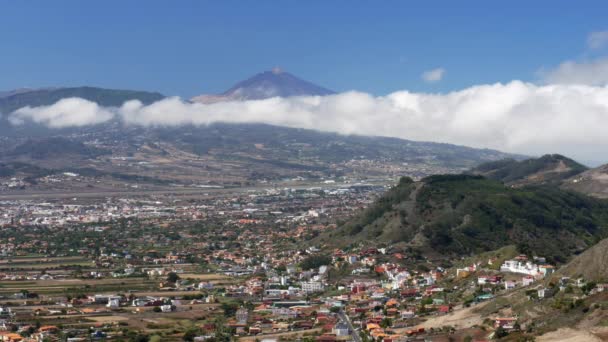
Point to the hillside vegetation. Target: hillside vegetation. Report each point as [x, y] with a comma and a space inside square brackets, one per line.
[548, 169]
[450, 215]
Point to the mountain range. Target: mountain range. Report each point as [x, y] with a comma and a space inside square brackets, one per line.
[259, 151]
[229, 154]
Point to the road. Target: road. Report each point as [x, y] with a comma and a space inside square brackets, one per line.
[353, 333]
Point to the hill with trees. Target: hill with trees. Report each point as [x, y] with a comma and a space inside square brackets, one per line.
[459, 215]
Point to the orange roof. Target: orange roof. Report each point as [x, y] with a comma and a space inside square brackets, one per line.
[13, 336]
[372, 326]
[392, 302]
[48, 327]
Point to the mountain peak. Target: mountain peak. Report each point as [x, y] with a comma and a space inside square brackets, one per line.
[272, 83]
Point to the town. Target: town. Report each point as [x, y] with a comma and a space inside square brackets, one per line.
[241, 265]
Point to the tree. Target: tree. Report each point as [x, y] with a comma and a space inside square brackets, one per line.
[229, 309]
[190, 334]
[386, 323]
[500, 332]
[172, 277]
[315, 261]
[281, 268]
[140, 338]
[427, 301]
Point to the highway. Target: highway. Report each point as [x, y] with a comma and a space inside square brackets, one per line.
[353, 333]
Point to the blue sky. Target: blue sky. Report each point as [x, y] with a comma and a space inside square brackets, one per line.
[191, 47]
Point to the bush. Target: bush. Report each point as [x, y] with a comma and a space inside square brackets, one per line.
[315, 261]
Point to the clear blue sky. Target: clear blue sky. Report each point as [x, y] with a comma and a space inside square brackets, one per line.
[190, 47]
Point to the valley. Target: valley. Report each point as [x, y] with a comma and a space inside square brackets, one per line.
[249, 231]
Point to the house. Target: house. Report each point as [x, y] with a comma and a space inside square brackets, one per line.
[255, 330]
[483, 280]
[546, 270]
[601, 287]
[505, 322]
[408, 314]
[409, 293]
[527, 280]
[10, 337]
[48, 329]
[510, 285]
[444, 309]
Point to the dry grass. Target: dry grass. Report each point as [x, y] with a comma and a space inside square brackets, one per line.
[291, 335]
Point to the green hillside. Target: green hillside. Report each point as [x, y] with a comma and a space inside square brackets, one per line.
[457, 215]
[548, 169]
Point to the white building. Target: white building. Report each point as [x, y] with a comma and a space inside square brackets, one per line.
[525, 281]
[516, 266]
[341, 329]
[312, 286]
[113, 302]
[510, 285]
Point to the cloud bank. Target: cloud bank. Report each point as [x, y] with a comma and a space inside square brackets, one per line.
[515, 117]
[594, 72]
[69, 112]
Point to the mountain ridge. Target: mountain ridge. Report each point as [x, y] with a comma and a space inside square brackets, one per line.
[548, 169]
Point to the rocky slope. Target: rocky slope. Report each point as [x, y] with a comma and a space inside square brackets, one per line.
[592, 264]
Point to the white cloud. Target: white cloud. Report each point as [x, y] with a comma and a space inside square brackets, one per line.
[593, 72]
[434, 75]
[597, 40]
[515, 117]
[64, 113]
